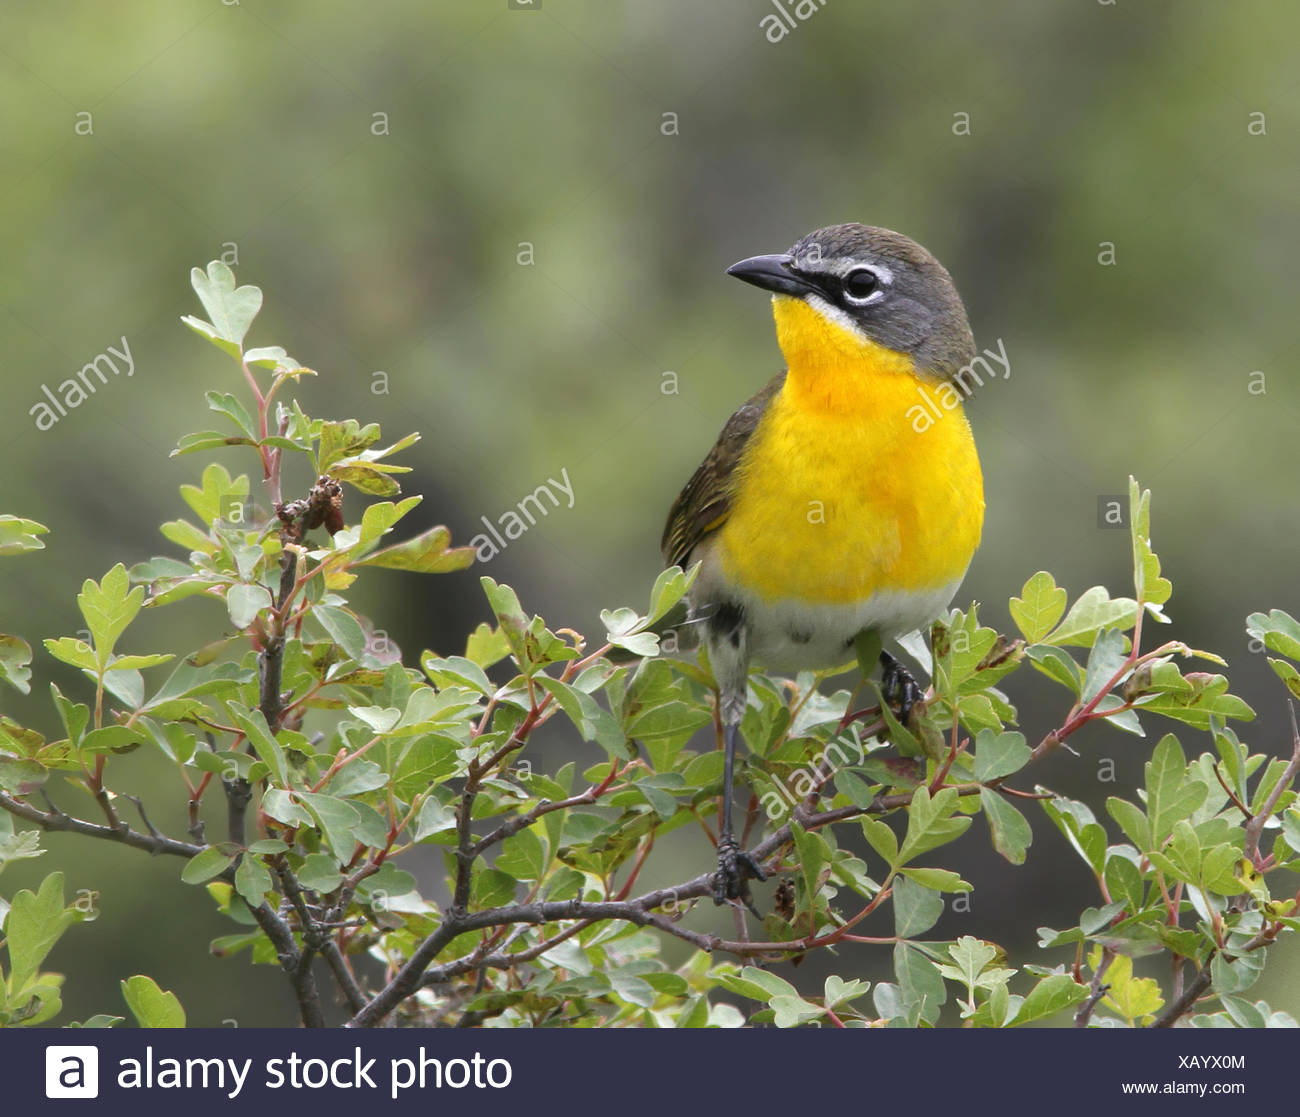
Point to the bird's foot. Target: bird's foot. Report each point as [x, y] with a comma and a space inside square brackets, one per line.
[898, 686]
[736, 867]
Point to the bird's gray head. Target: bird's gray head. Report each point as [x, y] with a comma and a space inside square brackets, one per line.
[876, 284]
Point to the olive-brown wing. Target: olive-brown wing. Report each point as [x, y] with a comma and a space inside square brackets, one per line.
[703, 505]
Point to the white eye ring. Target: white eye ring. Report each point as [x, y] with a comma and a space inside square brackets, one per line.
[873, 294]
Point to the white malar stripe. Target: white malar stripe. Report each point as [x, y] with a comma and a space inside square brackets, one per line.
[835, 315]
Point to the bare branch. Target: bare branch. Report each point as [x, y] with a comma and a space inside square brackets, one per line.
[1099, 989]
[55, 819]
[294, 962]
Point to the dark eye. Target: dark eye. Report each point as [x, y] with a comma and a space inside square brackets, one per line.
[861, 284]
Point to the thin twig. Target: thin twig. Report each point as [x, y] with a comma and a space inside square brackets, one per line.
[1255, 827]
[1099, 989]
[55, 819]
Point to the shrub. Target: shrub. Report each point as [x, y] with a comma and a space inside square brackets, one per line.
[333, 762]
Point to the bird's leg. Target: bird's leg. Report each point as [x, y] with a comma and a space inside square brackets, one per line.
[898, 686]
[735, 865]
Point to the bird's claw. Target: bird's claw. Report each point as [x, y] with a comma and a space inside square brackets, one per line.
[736, 867]
[898, 686]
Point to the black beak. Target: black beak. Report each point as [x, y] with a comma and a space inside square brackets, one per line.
[772, 273]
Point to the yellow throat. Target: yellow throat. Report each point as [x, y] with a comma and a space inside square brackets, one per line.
[861, 478]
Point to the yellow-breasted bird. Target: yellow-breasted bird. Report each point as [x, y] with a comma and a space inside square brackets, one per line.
[825, 510]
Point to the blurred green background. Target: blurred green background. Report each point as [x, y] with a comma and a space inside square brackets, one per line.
[381, 170]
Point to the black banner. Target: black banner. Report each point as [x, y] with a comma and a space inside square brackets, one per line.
[201, 1071]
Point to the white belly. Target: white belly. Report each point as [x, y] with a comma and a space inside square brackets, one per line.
[788, 635]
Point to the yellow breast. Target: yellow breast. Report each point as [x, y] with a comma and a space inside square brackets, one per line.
[860, 478]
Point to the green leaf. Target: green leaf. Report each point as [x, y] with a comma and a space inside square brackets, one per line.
[379, 718]
[75, 716]
[1124, 882]
[937, 880]
[208, 440]
[111, 738]
[217, 496]
[644, 644]
[1217, 869]
[487, 645]
[1170, 795]
[228, 404]
[1278, 631]
[151, 1007]
[18, 535]
[22, 846]
[435, 817]
[36, 921]
[252, 880]
[1076, 821]
[1150, 587]
[244, 602]
[836, 991]
[1284, 671]
[1039, 606]
[632, 987]
[15, 655]
[790, 1012]
[367, 479]
[1058, 664]
[1133, 821]
[669, 588]
[319, 873]
[99, 1020]
[971, 957]
[1104, 661]
[428, 553]
[209, 331]
[930, 823]
[337, 819]
[960, 647]
[768, 984]
[108, 607]
[1054, 993]
[754, 983]
[1241, 1012]
[458, 670]
[1236, 975]
[1206, 699]
[1136, 999]
[1009, 830]
[919, 982]
[281, 806]
[1094, 611]
[20, 777]
[882, 840]
[343, 628]
[231, 309]
[511, 618]
[274, 357]
[212, 862]
[345, 439]
[999, 754]
[812, 854]
[253, 723]
[523, 856]
[661, 801]
[855, 789]
[134, 662]
[378, 518]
